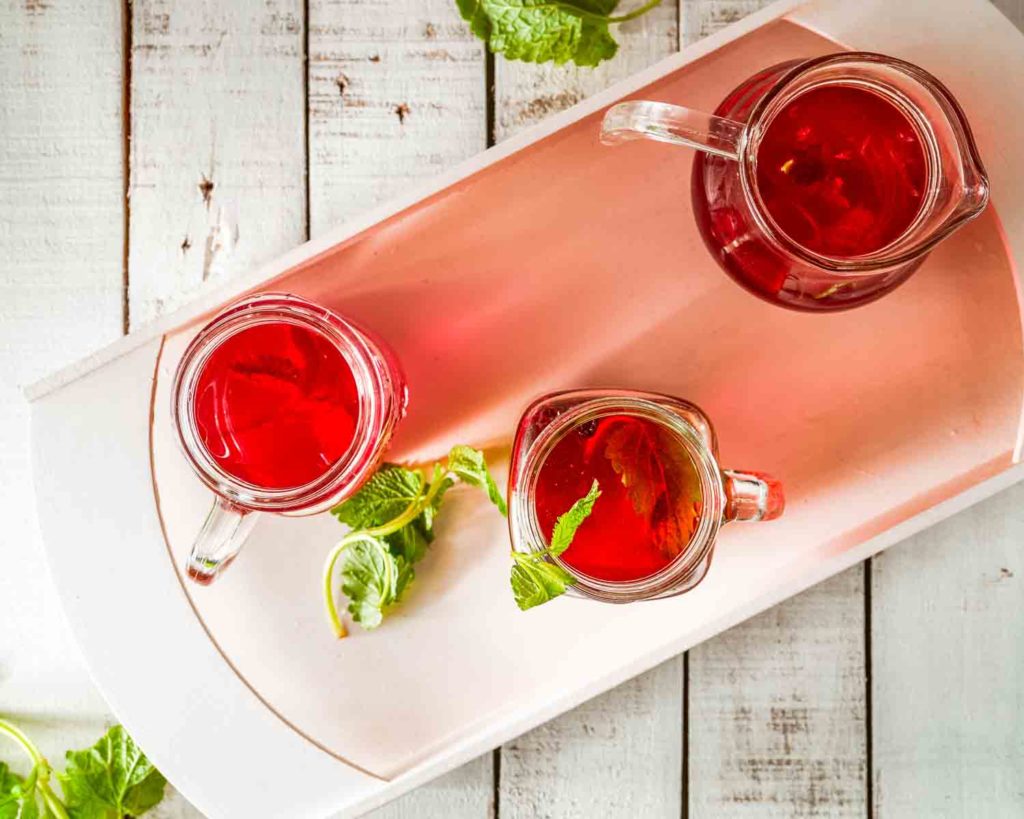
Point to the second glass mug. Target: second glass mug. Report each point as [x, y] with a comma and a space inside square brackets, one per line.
[554, 453]
[730, 206]
[322, 346]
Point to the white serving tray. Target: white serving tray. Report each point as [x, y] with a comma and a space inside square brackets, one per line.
[548, 262]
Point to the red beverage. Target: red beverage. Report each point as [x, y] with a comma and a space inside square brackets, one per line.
[650, 501]
[276, 405]
[841, 170]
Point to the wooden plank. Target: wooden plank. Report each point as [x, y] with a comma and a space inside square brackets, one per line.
[703, 17]
[777, 710]
[218, 143]
[466, 792]
[526, 93]
[396, 94]
[620, 754]
[61, 245]
[948, 660]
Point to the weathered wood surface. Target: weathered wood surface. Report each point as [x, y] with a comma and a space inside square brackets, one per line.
[217, 152]
[778, 710]
[396, 94]
[948, 663]
[239, 150]
[620, 754]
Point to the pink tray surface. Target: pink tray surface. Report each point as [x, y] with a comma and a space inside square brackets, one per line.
[540, 273]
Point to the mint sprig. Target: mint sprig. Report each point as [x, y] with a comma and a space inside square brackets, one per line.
[392, 525]
[540, 31]
[535, 579]
[111, 780]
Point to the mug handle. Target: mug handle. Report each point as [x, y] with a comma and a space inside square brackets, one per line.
[218, 542]
[751, 496]
[642, 119]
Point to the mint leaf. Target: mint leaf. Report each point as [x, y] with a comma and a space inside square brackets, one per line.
[535, 580]
[18, 798]
[392, 521]
[411, 541]
[111, 780]
[540, 31]
[469, 466]
[568, 523]
[406, 574]
[660, 480]
[385, 496]
[370, 579]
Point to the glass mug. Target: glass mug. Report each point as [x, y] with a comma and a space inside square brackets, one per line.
[822, 184]
[280, 406]
[663, 497]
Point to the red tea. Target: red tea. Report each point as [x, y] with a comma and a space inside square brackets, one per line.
[842, 170]
[650, 501]
[276, 405]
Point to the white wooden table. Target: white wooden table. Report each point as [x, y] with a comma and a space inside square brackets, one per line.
[148, 147]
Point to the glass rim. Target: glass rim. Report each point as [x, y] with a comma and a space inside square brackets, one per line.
[527, 535]
[776, 96]
[250, 312]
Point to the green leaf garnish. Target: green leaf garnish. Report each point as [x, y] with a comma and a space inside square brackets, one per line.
[369, 579]
[468, 465]
[387, 494]
[567, 524]
[18, 797]
[535, 579]
[111, 780]
[540, 31]
[659, 479]
[392, 520]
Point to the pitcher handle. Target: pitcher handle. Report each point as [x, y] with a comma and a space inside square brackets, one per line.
[225, 530]
[752, 496]
[642, 119]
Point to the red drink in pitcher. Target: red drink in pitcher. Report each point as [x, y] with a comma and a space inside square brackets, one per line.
[823, 184]
[842, 171]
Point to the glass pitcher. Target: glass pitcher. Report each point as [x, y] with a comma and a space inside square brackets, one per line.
[663, 496]
[280, 406]
[822, 184]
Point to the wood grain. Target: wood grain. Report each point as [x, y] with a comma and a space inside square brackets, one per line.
[621, 753]
[61, 271]
[618, 755]
[526, 93]
[777, 710]
[217, 144]
[397, 94]
[948, 659]
[465, 793]
[700, 18]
